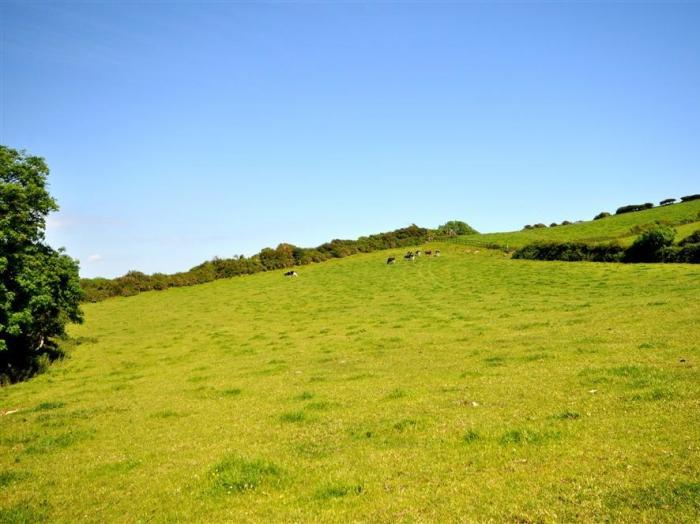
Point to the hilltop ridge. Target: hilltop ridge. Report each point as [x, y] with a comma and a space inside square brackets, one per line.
[684, 217]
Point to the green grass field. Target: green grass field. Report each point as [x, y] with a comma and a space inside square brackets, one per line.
[684, 217]
[465, 388]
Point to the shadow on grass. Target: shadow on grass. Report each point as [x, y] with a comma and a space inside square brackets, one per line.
[16, 366]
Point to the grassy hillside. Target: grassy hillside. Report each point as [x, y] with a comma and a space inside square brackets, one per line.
[469, 387]
[685, 217]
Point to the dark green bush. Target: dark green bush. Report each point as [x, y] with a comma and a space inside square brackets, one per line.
[687, 254]
[603, 214]
[455, 228]
[667, 201]
[647, 247]
[571, 252]
[640, 228]
[688, 198]
[633, 207]
[693, 238]
[655, 244]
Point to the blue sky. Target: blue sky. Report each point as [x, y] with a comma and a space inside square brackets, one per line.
[177, 132]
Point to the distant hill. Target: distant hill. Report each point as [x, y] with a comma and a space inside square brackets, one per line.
[683, 217]
[268, 259]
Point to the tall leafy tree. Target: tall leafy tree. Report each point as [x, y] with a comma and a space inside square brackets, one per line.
[456, 227]
[39, 286]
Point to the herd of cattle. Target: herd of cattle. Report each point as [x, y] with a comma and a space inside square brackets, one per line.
[410, 256]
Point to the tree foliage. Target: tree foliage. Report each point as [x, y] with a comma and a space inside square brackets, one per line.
[633, 207]
[456, 228]
[39, 286]
[693, 238]
[571, 252]
[647, 246]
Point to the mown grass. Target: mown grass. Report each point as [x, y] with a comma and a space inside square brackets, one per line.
[465, 388]
[684, 217]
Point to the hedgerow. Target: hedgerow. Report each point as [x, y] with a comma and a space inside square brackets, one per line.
[653, 245]
[268, 259]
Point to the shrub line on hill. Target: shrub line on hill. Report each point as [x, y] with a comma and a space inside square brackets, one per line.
[268, 259]
[653, 245]
[620, 211]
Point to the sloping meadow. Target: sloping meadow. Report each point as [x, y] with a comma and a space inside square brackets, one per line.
[683, 217]
[466, 387]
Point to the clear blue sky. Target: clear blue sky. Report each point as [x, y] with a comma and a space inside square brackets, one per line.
[176, 132]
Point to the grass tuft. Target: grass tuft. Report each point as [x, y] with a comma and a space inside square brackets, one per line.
[46, 406]
[495, 361]
[338, 491]
[51, 443]
[567, 415]
[166, 413]
[236, 475]
[665, 495]
[8, 477]
[117, 468]
[471, 436]
[406, 424]
[21, 513]
[231, 392]
[526, 436]
[293, 416]
[396, 393]
[320, 405]
[655, 395]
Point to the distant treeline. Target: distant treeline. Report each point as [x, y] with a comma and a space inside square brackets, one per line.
[283, 256]
[641, 207]
[620, 211]
[653, 245]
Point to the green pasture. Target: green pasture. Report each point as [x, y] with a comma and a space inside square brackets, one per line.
[465, 388]
[684, 217]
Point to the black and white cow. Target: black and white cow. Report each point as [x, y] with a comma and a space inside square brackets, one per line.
[291, 274]
[391, 260]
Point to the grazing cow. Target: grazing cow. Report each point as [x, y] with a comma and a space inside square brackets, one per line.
[428, 253]
[391, 260]
[418, 253]
[409, 256]
[291, 274]
[437, 252]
